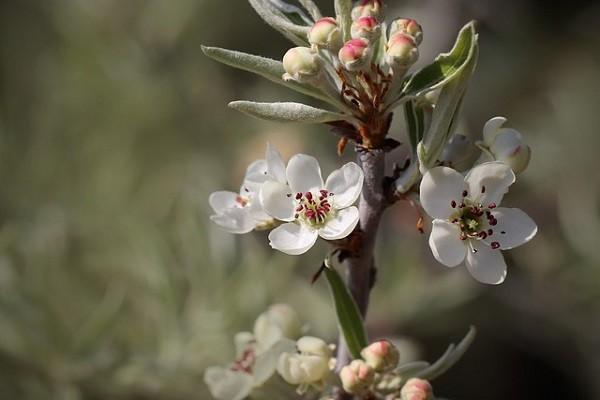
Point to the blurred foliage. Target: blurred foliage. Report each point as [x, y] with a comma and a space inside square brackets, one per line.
[114, 129]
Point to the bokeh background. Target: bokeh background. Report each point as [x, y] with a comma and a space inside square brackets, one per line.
[114, 130]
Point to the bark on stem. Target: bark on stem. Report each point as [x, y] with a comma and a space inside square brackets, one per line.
[361, 265]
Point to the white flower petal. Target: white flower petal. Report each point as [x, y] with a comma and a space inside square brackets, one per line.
[506, 143]
[346, 184]
[486, 264]
[256, 211]
[292, 238]
[275, 164]
[445, 243]
[277, 200]
[491, 128]
[341, 225]
[223, 200]
[514, 228]
[488, 182]
[235, 220]
[225, 384]
[243, 341]
[266, 362]
[304, 174]
[439, 187]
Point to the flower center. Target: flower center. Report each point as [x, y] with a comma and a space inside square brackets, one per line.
[313, 209]
[242, 201]
[245, 362]
[470, 218]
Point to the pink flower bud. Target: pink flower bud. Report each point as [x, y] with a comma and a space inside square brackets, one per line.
[301, 64]
[366, 28]
[409, 27]
[401, 51]
[357, 377]
[417, 389]
[326, 33]
[368, 8]
[355, 54]
[381, 355]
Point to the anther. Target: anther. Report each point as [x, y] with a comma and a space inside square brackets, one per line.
[453, 204]
[482, 188]
[298, 196]
[495, 245]
[492, 205]
[490, 232]
[465, 193]
[289, 195]
[308, 196]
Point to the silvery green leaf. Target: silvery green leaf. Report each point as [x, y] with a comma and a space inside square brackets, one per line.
[446, 66]
[449, 358]
[265, 67]
[286, 112]
[415, 122]
[297, 34]
[294, 14]
[312, 9]
[343, 9]
[445, 113]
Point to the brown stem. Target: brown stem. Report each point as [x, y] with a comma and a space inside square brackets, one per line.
[360, 265]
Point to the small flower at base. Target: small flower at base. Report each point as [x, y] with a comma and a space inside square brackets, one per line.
[366, 28]
[368, 8]
[301, 64]
[409, 27]
[401, 51]
[313, 346]
[381, 356]
[309, 366]
[357, 377]
[326, 33]
[505, 144]
[355, 54]
[417, 389]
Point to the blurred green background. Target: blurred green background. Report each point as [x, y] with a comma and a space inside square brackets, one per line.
[114, 130]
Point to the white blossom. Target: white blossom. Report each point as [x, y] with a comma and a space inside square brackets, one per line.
[310, 365]
[242, 212]
[310, 207]
[468, 225]
[504, 144]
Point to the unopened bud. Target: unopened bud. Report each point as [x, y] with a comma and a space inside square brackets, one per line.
[355, 54]
[311, 365]
[408, 27]
[301, 64]
[357, 377]
[381, 356]
[326, 33]
[401, 51]
[368, 8]
[506, 144]
[366, 28]
[417, 389]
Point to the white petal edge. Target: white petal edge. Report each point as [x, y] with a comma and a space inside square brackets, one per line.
[225, 384]
[439, 187]
[275, 164]
[235, 220]
[266, 363]
[517, 226]
[293, 239]
[341, 225]
[345, 183]
[506, 143]
[223, 200]
[277, 200]
[491, 128]
[304, 174]
[485, 264]
[488, 182]
[445, 243]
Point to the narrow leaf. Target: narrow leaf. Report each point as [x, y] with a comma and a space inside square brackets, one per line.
[295, 14]
[286, 112]
[343, 9]
[348, 316]
[265, 67]
[312, 9]
[272, 16]
[446, 65]
[449, 358]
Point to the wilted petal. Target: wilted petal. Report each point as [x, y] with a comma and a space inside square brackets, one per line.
[488, 182]
[346, 184]
[275, 164]
[293, 239]
[225, 384]
[445, 243]
[491, 128]
[304, 174]
[514, 228]
[486, 264]
[223, 200]
[439, 188]
[234, 220]
[341, 225]
[277, 200]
